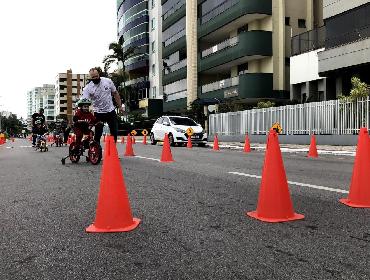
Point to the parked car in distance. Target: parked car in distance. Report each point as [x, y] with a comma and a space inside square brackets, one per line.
[175, 127]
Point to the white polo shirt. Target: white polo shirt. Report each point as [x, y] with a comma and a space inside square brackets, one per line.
[100, 95]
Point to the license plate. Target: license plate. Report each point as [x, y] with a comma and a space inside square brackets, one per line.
[195, 136]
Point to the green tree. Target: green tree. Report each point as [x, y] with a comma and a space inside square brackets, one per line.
[120, 76]
[11, 124]
[359, 90]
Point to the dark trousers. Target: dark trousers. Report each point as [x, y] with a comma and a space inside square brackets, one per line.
[111, 119]
[66, 133]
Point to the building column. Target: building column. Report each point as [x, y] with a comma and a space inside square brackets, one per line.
[192, 50]
[278, 43]
[310, 15]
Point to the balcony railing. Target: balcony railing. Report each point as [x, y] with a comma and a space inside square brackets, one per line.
[309, 41]
[349, 37]
[221, 84]
[135, 38]
[173, 9]
[223, 45]
[176, 95]
[135, 81]
[218, 10]
[175, 37]
[175, 67]
[137, 58]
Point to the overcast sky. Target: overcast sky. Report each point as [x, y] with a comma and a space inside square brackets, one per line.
[41, 38]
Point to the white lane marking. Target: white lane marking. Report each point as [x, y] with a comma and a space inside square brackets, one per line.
[295, 183]
[148, 158]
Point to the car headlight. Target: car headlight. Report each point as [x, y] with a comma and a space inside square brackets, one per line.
[180, 130]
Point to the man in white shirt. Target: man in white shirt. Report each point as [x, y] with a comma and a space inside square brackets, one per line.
[100, 91]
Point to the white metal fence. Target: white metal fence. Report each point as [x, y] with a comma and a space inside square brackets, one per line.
[327, 117]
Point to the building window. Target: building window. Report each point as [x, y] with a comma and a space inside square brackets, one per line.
[153, 23]
[154, 92]
[301, 23]
[287, 21]
[153, 47]
[153, 69]
[153, 3]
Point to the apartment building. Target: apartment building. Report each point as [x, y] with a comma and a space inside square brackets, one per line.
[41, 97]
[68, 88]
[306, 83]
[220, 50]
[325, 58]
[48, 95]
[347, 44]
[138, 28]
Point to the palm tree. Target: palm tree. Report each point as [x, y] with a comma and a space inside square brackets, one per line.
[119, 76]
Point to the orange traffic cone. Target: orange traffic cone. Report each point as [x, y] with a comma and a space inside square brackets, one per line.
[144, 140]
[274, 203]
[123, 139]
[129, 150]
[359, 192]
[113, 213]
[166, 150]
[247, 145]
[215, 144]
[133, 140]
[189, 144]
[313, 150]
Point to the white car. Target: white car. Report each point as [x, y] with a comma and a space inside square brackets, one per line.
[176, 127]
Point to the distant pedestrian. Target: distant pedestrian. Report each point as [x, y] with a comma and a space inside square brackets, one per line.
[40, 119]
[100, 91]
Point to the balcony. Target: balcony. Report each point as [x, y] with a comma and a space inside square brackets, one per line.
[142, 82]
[246, 46]
[174, 46]
[308, 41]
[175, 72]
[250, 86]
[229, 11]
[174, 14]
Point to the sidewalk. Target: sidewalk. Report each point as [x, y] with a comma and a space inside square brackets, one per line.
[293, 148]
[285, 148]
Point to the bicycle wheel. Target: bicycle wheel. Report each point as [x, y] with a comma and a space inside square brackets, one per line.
[94, 153]
[74, 152]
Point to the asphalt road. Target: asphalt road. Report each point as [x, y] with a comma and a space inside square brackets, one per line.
[193, 218]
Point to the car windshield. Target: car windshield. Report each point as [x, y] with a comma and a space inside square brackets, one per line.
[182, 121]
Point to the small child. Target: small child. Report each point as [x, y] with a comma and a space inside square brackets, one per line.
[82, 119]
[39, 130]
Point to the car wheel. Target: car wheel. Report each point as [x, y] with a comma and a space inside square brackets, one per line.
[152, 139]
[171, 140]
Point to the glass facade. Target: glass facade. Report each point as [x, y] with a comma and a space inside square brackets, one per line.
[133, 30]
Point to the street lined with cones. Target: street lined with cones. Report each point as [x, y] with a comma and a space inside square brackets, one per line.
[187, 197]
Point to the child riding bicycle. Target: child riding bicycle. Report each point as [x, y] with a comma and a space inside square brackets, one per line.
[83, 120]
